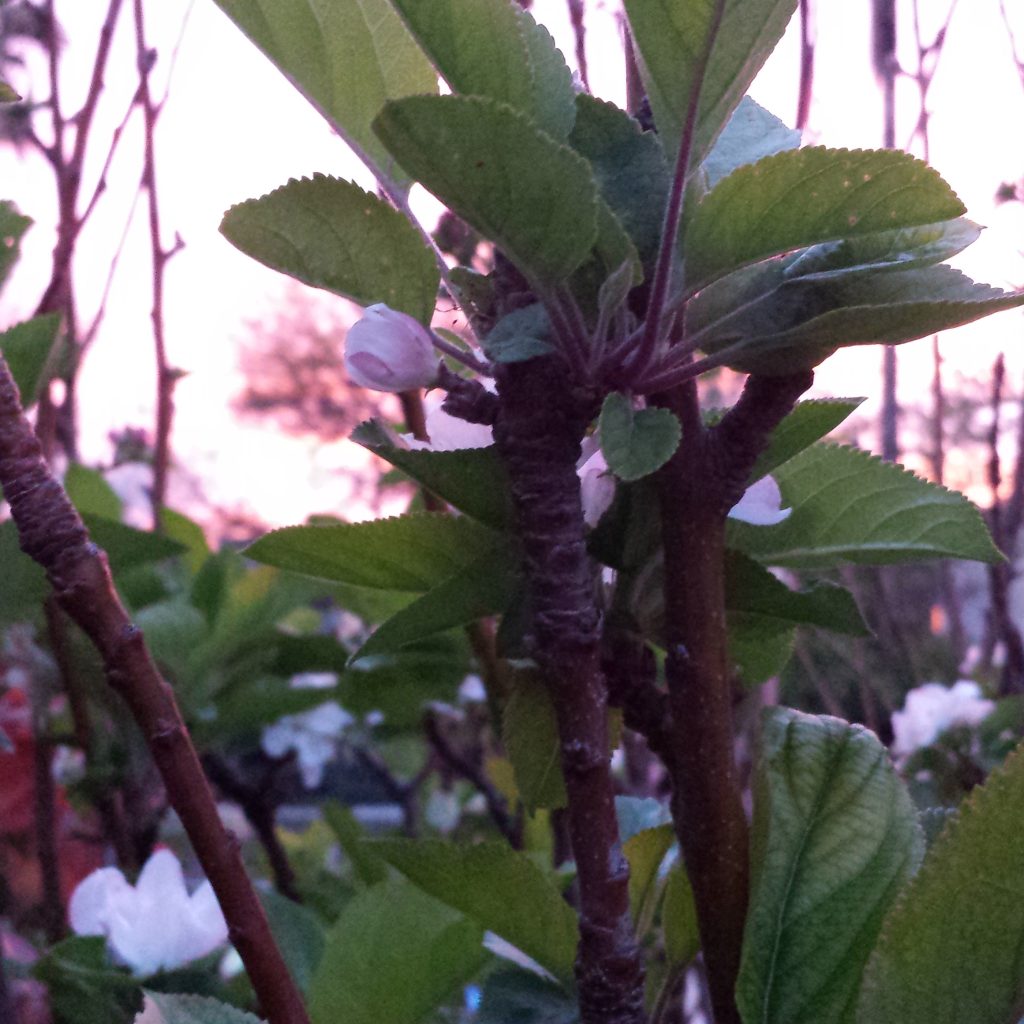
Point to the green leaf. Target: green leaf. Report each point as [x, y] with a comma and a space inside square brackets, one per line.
[499, 888]
[331, 234]
[90, 493]
[298, 933]
[482, 587]
[902, 249]
[515, 185]
[8, 94]
[645, 851]
[392, 956]
[530, 736]
[24, 588]
[760, 320]
[412, 552]
[366, 864]
[483, 48]
[188, 533]
[835, 837]
[127, 547]
[399, 686]
[951, 950]
[809, 421]
[83, 986]
[473, 480]
[12, 226]
[679, 919]
[751, 589]
[175, 1008]
[629, 166]
[519, 335]
[347, 57]
[27, 347]
[849, 506]
[636, 442]
[513, 996]
[806, 196]
[670, 37]
[750, 134]
[759, 648]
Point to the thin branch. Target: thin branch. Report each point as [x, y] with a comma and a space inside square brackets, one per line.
[674, 208]
[52, 534]
[805, 91]
[579, 29]
[165, 376]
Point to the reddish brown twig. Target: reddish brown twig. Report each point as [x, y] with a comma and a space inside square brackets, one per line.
[51, 532]
[538, 432]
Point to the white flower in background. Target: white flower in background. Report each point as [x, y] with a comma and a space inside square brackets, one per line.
[448, 433]
[597, 486]
[313, 735]
[472, 690]
[390, 351]
[931, 709]
[761, 504]
[443, 811]
[154, 925]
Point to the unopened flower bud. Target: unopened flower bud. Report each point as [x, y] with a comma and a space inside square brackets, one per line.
[390, 351]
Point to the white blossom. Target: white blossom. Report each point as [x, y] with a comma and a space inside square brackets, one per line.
[931, 709]
[313, 735]
[390, 351]
[761, 504]
[154, 925]
[448, 433]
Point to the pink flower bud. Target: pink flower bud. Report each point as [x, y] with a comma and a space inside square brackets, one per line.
[390, 351]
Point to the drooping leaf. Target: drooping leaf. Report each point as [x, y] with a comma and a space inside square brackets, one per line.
[366, 864]
[412, 552]
[835, 837]
[679, 919]
[347, 57]
[849, 506]
[519, 996]
[90, 493]
[636, 442]
[27, 348]
[749, 135]
[901, 249]
[964, 908]
[806, 196]
[331, 234]
[473, 480]
[530, 736]
[670, 37]
[482, 587]
[499, 888]
[519, 335]
[629, 166]
[183, 1008]
[12, 226]
[517, 186]
[392, 955]
[483, 48]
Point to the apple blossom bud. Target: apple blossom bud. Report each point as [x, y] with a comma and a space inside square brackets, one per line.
[390, 351]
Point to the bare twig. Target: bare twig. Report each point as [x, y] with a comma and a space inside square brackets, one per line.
[51, 533]
[579, 29]
[805, 91]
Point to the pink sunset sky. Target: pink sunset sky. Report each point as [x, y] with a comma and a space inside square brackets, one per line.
[233, 128]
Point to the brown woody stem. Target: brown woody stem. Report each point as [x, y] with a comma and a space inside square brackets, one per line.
[538, 431]
[51, 533]
[697, 487]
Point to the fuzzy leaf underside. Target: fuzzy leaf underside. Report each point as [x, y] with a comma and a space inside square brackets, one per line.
[330, 234]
